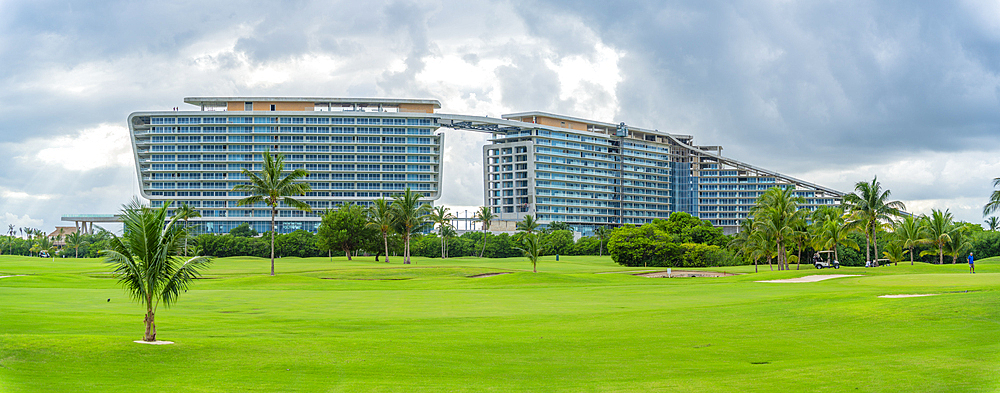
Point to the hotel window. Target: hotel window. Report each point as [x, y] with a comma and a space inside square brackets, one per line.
[272, 107]
[248, 106]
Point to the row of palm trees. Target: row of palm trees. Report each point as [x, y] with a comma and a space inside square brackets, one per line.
[778, 224]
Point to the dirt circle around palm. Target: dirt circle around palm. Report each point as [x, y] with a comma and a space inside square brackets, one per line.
[157, 342]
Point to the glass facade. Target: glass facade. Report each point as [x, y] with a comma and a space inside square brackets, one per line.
[198, 157]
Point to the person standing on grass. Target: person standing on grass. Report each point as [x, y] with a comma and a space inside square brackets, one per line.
[972, 265]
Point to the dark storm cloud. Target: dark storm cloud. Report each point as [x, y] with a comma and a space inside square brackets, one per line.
[809, 81]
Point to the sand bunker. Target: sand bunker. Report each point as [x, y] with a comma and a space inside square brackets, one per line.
[488, 275]
[17, 275]
[814, 278]
[685, 273]
[157, 342]
[914, 295]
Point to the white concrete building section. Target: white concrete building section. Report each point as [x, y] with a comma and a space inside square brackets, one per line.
[559, 168]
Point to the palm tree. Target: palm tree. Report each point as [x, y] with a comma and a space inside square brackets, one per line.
[448, 233]
[42, 243]
[146, 262]
[994, 204]
[186, 212]
[602, 232]
[76, 240]
[870, 209]
[411, 215]
[440, 216]
[380, 217]
[831, 234]
[959, 244]
[777, 214]
[271, 188]
[485, 216]
[893, 252]
[993, 223]
[10, 241]
[937, 231]
[528, 225]
[531, 245]
[910, 231]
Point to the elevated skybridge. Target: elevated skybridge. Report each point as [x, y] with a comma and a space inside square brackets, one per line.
[85, 222]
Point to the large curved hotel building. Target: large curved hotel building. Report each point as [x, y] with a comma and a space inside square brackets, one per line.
[582, 172]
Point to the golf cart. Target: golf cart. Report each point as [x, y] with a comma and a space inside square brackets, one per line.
[820, 263]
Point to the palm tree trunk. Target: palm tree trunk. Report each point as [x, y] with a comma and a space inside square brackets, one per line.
[385, 239]
[442, 246]
[868, 249]
[273, 212]
[755, 265]
[875, 244]
[150, 334]
[911, 256]
[185, 237]
[348, 253]
[484, 245]
[940, 255]
[769, 264]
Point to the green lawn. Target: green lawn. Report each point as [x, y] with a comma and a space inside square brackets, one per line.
[576, 326]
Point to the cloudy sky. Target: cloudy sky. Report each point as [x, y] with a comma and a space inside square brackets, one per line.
[831, 92]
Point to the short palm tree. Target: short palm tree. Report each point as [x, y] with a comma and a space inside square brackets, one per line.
[186, 212]
[485, 216]
[42, 243]
[870, 209]
[893, 252]
[440, 216]
[937, 231]
[146, 263]
[960, 243]
[832, 234]
[272, 187]
[910, 232]
[531, 245]
[76, 240]
[411, 216]
[380, 217]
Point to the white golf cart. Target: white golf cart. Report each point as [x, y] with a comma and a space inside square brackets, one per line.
[827, 263]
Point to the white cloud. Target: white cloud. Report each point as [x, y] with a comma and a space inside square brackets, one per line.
[24, 221]
[12, 195]
[106, 145]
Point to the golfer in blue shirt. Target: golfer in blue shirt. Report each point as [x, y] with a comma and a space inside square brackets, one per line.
[972, 265]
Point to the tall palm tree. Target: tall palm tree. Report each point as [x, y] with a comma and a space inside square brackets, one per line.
[994, 204]
[186, 212]
[272, 187]
[937, 231]
[145, 260]
[870, 208]
[76, 240]
[910, 232]
[440, 216]
[777, 213]
[485, 216]
[411, 216]
[993, 223]
[380, 217]
[448, 233]
[602, 232]
[531, 245]
[10, 242]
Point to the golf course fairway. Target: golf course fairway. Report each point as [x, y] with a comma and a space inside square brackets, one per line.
[582, 324]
